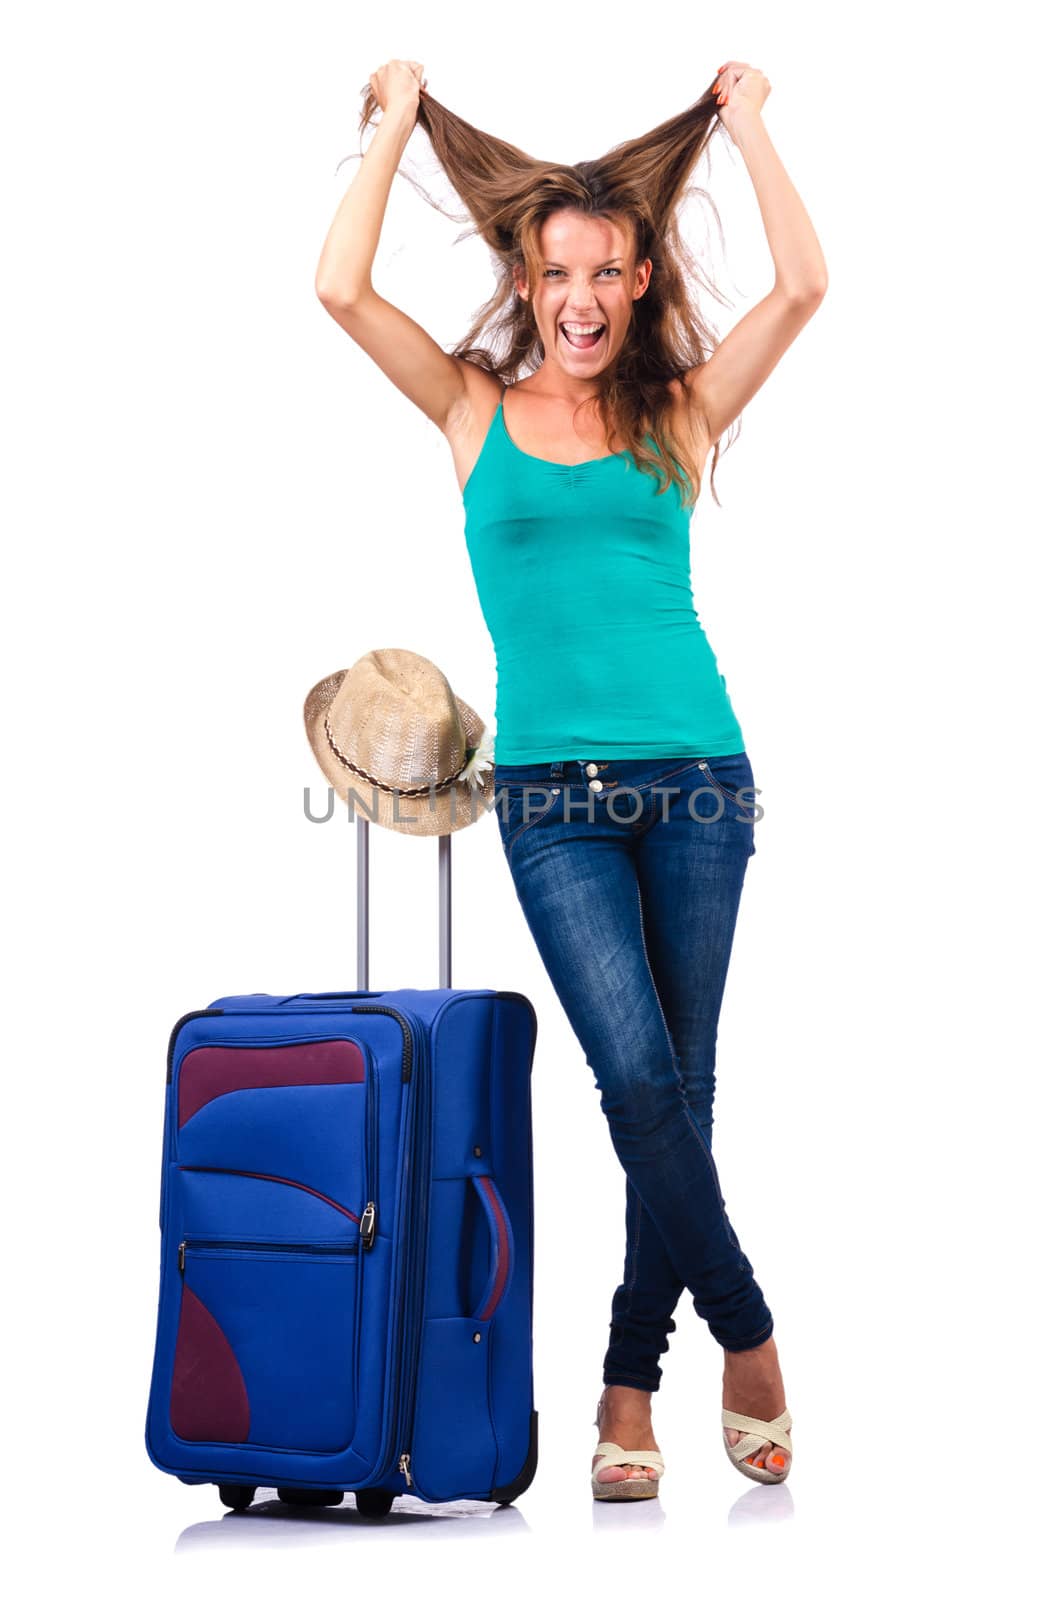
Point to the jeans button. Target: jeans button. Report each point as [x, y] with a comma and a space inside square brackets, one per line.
[596, 784]
[592, 769]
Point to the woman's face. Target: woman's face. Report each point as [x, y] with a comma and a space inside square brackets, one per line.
[588, 278]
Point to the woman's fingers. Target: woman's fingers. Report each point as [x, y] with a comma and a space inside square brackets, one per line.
[730, 76]
[397, 76]
[734, 68]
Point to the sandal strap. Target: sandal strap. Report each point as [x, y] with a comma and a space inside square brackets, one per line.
[761, 1432]
[614, 1453]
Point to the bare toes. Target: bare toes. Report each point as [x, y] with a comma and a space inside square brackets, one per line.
[734, 1436]
[630, 1470]
[772, 1460]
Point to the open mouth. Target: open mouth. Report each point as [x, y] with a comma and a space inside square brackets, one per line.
[582, 335]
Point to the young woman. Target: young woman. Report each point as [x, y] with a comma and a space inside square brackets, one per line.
[625, 798]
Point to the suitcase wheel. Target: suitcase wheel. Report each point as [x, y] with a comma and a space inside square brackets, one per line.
[311, 1497]
[374, 1502]
[237, 1496]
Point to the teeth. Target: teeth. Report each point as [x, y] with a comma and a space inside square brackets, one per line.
[583, 327]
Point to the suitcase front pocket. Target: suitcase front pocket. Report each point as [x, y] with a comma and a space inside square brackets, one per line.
[297, 1110]
[266, 1343]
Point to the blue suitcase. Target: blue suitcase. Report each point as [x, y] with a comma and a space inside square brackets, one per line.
[346, 1285]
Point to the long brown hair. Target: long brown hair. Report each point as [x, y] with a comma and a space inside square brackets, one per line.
[509, 194]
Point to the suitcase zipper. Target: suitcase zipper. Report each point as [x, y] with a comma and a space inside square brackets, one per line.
[411, 1328]
[371, 1155]
[411, 1029]
[406, 1045]
[271, 1177]
[210, 1011]
[292, 1248]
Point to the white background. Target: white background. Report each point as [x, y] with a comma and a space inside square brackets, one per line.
[215, 499]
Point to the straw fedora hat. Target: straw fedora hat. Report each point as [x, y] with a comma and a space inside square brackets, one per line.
[390, 728]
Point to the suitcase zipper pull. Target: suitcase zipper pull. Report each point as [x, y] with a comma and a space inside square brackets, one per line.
[404, 1463]
[367, 1225]
[180, 1255]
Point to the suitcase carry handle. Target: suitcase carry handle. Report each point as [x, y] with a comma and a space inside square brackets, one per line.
[335, 994]
[502, 1244]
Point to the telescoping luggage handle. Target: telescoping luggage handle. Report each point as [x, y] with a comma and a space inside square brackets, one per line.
[445, 907]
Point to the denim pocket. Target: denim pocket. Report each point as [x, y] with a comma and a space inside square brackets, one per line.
[736, 780]
[521, 806]
[663, 776]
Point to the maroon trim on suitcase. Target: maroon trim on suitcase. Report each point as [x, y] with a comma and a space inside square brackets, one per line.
[211, 1070]
[270, 1177]
[208, 1397]
[500, 1281]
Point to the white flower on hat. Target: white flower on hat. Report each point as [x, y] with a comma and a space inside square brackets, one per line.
[480, 760]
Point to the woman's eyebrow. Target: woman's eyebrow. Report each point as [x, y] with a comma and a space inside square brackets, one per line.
[602, 264]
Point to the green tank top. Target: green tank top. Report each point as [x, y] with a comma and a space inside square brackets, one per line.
[583, 576]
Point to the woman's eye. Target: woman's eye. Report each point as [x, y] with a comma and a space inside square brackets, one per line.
[550, 270]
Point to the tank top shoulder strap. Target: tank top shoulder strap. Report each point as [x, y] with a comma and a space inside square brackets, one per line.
[492, 443]
[496, 433]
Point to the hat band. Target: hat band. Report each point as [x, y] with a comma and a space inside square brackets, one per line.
[425, 788]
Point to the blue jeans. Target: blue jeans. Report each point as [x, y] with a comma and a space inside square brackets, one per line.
[631, 892]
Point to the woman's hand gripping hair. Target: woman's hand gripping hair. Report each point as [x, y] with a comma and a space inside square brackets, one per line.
[739, 87]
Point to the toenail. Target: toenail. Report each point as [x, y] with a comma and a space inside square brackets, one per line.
[776, 1461]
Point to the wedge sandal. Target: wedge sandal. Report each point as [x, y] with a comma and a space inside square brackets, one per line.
[757, 1433]
[617, 1455]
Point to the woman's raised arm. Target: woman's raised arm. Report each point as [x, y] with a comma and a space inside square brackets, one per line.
[432, 379]
[720, 388]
